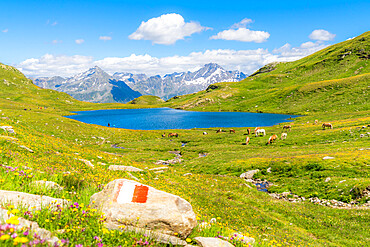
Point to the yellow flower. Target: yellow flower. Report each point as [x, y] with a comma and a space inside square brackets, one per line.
[188, 240]
[14, 211]
[4, 237]
[13, 220]
[47, 220]
[20, 240]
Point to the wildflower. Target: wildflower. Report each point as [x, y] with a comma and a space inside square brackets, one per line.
[4, 237]
[188, 240]
[13, 220]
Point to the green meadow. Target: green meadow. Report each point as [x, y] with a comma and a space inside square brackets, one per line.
[331, 85]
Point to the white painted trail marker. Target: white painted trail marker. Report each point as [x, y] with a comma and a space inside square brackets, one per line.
[130, 192]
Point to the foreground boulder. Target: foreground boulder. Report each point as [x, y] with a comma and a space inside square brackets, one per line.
[127, 202]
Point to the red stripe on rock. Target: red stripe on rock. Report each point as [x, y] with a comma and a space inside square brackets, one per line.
[140, 194]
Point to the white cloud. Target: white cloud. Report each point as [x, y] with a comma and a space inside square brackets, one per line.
[48, 22]
[322, 35]
[166, 29]
[246, 61]
[243, 23]
[105, 38]
[289, 53]
[55, 41]
[50, 65]
[5, 30]
[242, 34]
[79, 41]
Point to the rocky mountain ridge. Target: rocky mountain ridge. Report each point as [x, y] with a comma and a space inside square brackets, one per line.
[95, 85]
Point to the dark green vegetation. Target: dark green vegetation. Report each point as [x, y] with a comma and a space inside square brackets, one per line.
[332, 85]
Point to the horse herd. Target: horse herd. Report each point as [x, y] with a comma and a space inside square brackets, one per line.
[259, 132]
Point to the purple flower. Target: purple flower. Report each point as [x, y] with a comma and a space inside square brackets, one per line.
[26, 233]
[79, 245]
[100, 244]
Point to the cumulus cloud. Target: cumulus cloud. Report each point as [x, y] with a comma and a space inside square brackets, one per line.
[51, 65]
[166, 29]
[243, 23]
[79, 41]
[5, 30]
[288, 53]
[48, 22]
[322, 35]
[242, 34]
[105, 38]
[246, 61]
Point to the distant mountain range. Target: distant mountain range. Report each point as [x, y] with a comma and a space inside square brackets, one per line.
[95, 85]
[182, 83]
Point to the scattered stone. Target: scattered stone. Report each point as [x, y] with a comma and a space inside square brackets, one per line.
[212, 242]
[327, 179]
[242, 238]
[188, 174]
[269, 170]
[124, 168]
[328, 158]
[28, 149]
[201, 155]
[342, 181]
[8, 129]
[249, 174]
[101, 163]
[158, 168]
[47, 185]
[126, 202]
[33, 226]
[87, 162]
[33, 201]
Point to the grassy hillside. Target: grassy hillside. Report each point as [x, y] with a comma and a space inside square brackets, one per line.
[330, 89]
[334, 79]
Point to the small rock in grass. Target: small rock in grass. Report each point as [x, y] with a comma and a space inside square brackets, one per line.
[327, 179]
[249, 174]
[212, 242]
[124, 168]
[328, 158]
[47, 185]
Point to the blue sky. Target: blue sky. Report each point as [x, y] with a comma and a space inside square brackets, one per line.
[44, 38]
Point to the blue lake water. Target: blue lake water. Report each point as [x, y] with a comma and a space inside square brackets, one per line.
[167, 118]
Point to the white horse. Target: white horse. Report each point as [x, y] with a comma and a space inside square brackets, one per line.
[260, 131]
[283, 136]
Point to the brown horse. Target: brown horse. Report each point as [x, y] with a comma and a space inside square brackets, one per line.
[164, 135]
[328, 125]
[173, 134]
[271, 139]
[232, 131]
[248, 131]
[247, 140]
[219, 131]
[288, 127]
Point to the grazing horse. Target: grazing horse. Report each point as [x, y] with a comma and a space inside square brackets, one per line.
[164, 135]
[255, 130]
[288, 127]
[283, 136]
[173, 134]
[247, 140]
[316, 121]
[232, 131]
[248, 131]
[329, 125]
[219, 131]
[271, 139]
[205, 133]
[260, 131]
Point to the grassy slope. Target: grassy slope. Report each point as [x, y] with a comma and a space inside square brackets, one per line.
[296, 163]
[334, 79]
